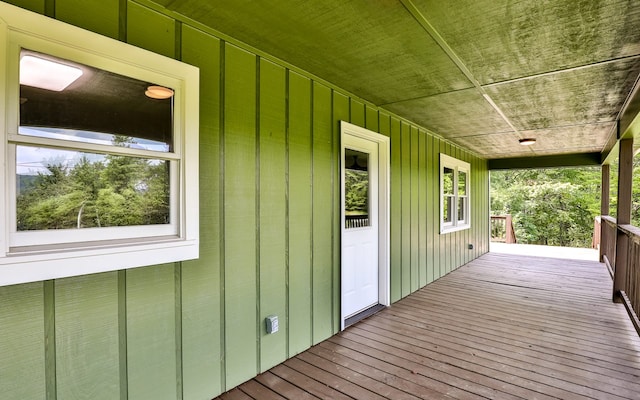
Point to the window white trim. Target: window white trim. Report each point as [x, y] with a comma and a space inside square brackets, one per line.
[457, 166]
[25, 256]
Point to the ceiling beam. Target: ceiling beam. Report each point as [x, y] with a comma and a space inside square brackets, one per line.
[629, 121]
[426, 25]
[561, 160]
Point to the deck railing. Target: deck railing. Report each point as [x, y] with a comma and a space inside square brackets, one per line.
[624, 260]
[502, 229]
[597, 227]
[631, 288]
[356, 221]
[607, 241]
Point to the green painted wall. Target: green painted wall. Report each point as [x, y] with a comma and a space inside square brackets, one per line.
[270, 234]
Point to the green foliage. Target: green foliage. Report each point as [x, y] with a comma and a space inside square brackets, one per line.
[356, 191]
[447, 181]
[556, 206]
[114, 191]
[551, 206]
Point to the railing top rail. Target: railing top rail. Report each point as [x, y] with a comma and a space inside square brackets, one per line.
[609, 219]
[498, 217]
[630, 230]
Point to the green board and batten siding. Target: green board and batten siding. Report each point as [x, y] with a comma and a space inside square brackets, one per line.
[270, 234]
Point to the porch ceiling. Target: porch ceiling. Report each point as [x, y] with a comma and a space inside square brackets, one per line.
[481, 73]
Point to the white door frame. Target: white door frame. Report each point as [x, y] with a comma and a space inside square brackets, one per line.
[384, 155]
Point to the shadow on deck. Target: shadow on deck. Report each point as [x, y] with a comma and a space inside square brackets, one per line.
[503, 326]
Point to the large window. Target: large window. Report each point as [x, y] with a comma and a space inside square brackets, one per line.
[454, 194]
[101, 148]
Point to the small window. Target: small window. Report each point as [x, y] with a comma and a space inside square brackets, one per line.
[101, 145]
[356, 187]
[454, 194]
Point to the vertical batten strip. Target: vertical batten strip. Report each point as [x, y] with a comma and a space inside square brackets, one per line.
[122, 20]
[177, 273]
[122, 334]
[435, 208]
[312, 216]
[222, 204]
[335, 212]
[50, 8]
[396, 210]
[178, 40]
[50, 339]
[178, 265]
[287, 259]
[442, 271]
[422, 209]
[257, 216]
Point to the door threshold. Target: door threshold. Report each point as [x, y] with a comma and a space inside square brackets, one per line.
[363, 314]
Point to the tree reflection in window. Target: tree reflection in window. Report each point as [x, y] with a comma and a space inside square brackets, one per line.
[356, 188]
[73, 189]
[448, 194]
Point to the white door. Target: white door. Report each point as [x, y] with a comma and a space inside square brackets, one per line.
[360, 229]
[365, 221]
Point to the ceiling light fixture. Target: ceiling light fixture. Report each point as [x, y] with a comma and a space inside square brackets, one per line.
[46, 74]
[159, 92]
[527, 141]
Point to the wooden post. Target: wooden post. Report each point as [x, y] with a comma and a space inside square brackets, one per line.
[625, 172]
[604, 208]
[509, 234]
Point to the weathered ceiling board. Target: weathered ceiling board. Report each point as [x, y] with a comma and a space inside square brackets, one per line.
[506, 39]
[461, 113]
[580, 96]
[584, 138]
[574, 139]
[367, 48]
[481, 73]
[494, 143]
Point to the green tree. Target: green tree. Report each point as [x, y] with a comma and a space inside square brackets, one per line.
[114, 190]
[553, 206]
[356, 191]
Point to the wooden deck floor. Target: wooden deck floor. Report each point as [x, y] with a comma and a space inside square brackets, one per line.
[501, 327]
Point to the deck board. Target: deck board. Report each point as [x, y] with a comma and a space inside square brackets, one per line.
[503, 326]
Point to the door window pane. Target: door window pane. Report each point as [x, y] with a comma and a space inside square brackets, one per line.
[356, 189]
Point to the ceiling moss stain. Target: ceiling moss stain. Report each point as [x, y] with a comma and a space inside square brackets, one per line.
[581, 35]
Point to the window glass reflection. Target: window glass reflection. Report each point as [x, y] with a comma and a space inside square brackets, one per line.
[92, 105]
[356, 187]
[65, 189]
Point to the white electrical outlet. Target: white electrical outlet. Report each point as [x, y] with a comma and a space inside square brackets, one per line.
[272, 324]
